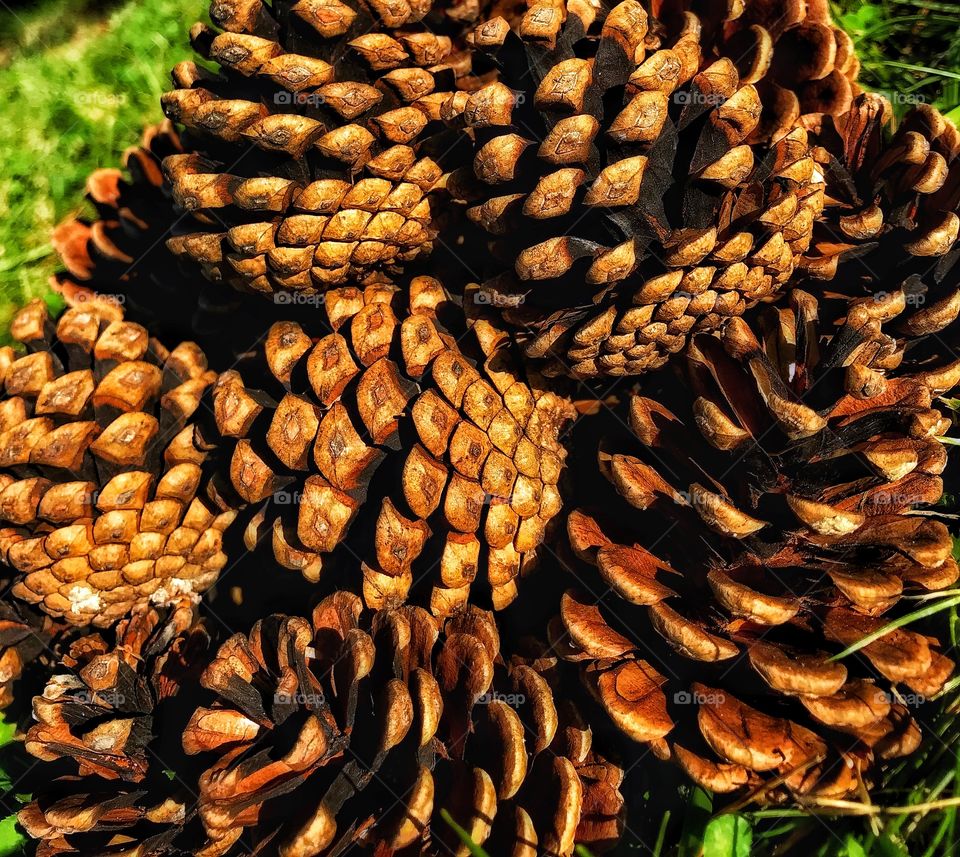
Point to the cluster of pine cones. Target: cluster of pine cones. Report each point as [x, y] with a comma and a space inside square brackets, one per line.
[457, 401]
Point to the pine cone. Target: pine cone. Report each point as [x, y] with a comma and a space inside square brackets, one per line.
[628, 205]
[892, 217]
[24, 635]
[100, 713]
[103, 712]
[124, 244]
[770, 522]
[98, 470]
[423, 443]
[122, 256]
[358, 729]
[800, 61]
[319, 141]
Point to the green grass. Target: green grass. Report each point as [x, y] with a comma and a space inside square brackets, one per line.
[78, 80]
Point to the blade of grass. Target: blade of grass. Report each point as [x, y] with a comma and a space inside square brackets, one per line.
[465, 837]
[893, 625]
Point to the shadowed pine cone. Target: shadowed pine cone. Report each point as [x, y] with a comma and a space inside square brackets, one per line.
[25, 633]
[124, 244]
[98, 471]
[627, 205]
[122, 256]
[799, 60]
[354, 730]
[403, 425]
[757, 528]
[102, 711]
[892, 217]
[317, 144]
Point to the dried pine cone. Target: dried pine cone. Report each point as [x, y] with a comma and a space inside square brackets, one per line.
[98, 471]
[892, 216]
[402, 427]
[24, 635]
[102, 712]
[122, 256]
[316, 146]
[800, 61]
[769, 523]
[628, 205]
[355, 730]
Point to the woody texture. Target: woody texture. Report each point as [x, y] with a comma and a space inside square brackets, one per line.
[423, 453]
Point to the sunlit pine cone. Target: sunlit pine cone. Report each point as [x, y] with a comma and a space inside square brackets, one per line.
[355, 730]
[316, 145]
[800, 61]
[102, 712]
[762, 516]
[98, 472]
[627, 206]
[401, 433]
[892, 219]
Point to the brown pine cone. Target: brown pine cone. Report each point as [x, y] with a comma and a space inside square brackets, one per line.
[102, 712]
[109, 254]
[400, 433]
[317, 145]
[121, 255]
[25, 633]
[892, 218]
[98, 471]
[628, 205]
[757, 528]
[354, 730]
[799, 59]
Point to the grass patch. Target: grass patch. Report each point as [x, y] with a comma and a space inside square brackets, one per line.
[78, 80]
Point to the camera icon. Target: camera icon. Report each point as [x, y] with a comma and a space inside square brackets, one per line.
[683, 697]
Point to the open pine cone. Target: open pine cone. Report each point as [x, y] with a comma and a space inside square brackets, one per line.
[25, 633]
[419, 448]
[800, 61]
[758, 527]
[123, 246]
[98, 472]
[617, 176]
[121, 255]
[103, 711]
[319, 141]
[892, 217]
[358, 729]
